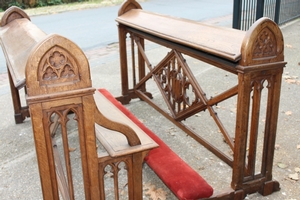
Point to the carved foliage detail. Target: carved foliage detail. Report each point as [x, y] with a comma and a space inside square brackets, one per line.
[265, 44]
[57, 66]
[177, 87]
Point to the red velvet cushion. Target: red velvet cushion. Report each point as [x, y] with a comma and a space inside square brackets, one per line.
[182, 180]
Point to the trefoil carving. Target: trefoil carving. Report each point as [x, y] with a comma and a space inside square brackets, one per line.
[265, 44]
[57, 66]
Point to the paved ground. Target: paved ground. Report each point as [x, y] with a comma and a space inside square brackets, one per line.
[19, 177]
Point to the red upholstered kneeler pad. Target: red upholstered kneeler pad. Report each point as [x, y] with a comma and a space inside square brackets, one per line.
[182, 180]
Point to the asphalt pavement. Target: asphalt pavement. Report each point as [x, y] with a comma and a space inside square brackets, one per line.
[19, 177]
[96, 28]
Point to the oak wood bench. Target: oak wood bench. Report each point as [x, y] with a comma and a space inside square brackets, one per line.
[70, 119]
[255, 56]
[15, 51]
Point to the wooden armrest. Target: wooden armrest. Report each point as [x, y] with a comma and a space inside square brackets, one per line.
[220, 41]
[127, 131]
[113, 141]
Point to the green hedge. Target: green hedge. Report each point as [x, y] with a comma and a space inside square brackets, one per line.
[4, 4]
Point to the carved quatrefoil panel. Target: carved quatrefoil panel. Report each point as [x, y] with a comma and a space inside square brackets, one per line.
[57, 66]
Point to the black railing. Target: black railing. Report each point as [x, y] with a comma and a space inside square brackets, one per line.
[246, 12]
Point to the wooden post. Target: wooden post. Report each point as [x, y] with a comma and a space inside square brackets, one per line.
[261, 63]
[56, 88]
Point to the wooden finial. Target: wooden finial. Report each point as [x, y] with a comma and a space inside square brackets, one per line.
[11, 14]
[128, 5]
[263, 43]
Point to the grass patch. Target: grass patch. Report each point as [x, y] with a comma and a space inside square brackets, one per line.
[70, 6]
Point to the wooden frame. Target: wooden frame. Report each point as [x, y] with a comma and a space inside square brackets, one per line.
[255, 56]
[58, 83]
[14, 56]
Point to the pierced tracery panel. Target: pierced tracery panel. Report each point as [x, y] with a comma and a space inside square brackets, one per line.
[261, 92]
[67, 154]
[57, 66]
[115, 174]
[178, 86]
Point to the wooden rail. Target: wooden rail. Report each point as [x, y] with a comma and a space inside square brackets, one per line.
[255, 57]
[59, 90]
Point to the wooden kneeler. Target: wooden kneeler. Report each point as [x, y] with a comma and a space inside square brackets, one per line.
[178, 176]
[255, 57]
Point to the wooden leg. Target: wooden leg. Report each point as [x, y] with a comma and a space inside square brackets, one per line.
[125, 98]
[20, 112]
[250, 88]
[138, 159]
[19, 118]
[269, 187]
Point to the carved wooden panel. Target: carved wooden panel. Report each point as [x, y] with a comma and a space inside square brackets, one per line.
[262, 44]
[68, 157]
[56, 67]
[116, 169]
[177, 85]
[61, 67]
[265, 44]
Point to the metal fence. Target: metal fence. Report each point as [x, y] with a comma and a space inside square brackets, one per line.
[246, 12]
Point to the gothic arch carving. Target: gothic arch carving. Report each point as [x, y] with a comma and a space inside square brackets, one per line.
[263, 43]
[63, 67]
[57, 66]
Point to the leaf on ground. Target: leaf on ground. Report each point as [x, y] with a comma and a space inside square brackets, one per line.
[171, 131]
[281, 165]
[109, 175]
[290, 81]
[288, 113]
[122, 192]
[155, 194]
[72, 149]
[233, 110]
[294, 176]
[161, 194]
[277, 146]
